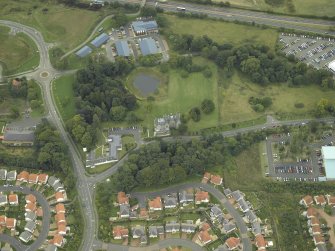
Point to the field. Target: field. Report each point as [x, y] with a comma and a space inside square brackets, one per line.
[64, 25]
[63, 95]
[17, 52]
[222, 32]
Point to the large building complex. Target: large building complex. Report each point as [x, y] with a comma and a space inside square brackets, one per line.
[328, 155]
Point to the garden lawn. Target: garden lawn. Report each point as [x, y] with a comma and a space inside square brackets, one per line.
[17, 52]
[58, 23]
[235, 106]
[62, 90]
[222, 32]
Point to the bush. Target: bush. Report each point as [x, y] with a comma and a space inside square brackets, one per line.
[195, 114]
[299, 105]
[207, 73]
[207, 106]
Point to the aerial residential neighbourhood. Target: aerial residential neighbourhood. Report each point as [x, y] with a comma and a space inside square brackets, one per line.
[167, 125]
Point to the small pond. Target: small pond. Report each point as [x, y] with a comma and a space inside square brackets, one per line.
[146, 84]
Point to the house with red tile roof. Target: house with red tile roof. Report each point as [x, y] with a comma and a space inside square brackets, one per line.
[60, 217]
[330, 200]
[320, 200]
[155, 204]
[318, 239]
[61, 228]
[30, 198]
[201, 197]
[205, 226]
[23, 176]
[120, 232]
[2, 220]
[122, 198]
[59, 197]
[60, 208]
[42, 178]
[311, 213]
[204, 237]
[232, 243]
[10, 223]
[30, 207]
[33, 178]
[206, 178]
[13, 199]
[315, 230]
[314, 222]
[260, 242]
[143, 213]
[307, 201]
[216, 180]
[58, 240]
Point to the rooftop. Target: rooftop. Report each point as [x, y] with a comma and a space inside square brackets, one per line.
[83, 52]
[148, 46]
[99, 40]
[122, 48]
[328, 152]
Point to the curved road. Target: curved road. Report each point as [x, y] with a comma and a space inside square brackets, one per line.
[45, 220]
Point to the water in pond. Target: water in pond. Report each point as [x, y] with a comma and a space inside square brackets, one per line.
[146, 84]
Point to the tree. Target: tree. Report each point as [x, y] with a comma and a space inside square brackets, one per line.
[14, 112]
[207, 106]
[118, 113]
[120, 19]
[195, 114]
[250, 65]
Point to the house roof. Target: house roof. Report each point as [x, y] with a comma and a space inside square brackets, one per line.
[148, 46]
[204, 236]
[207, 175]
[124, 209]
[216, 211]
[61, 227]
[60, 208]
[13, 198]
[52, 180]
[58, 239]
[205, 226]
[138, 230]
[314, 221]
[11, 175]
[60, 217]
[251, 216]
[23, 176]
[318, 238]
[256, 228]
[229, 227]
[170, 200]
[155, 203]
[172, 226]
[84, 51]
[24, 136]
[311, 212]
[330, 199]
[30, 226]
[320, 199]
[3, 198]
[25, 236]
[260, 241]
[3, 174]
[140, 26]
[316, 229]
[30, 215]
[99, 40]
[31, 198]
[120, 231]
[43, 178]
[237, 195]
[59, 195]
[201, 196]
[243, 204]
[33, 177]
[153, 230]
[30, 206]
[115, 142]
[122, 48]
[185, 196]
[10, 222]
[308, 200]
[122, 198]
[143, 212]
[216, 179]
[227, 192]
[328, 152]
[2, 219]
[232, 242]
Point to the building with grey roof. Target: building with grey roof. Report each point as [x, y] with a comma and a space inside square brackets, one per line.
[243, 205]
[11, 175]
[30, 226]
[83, 52]
[3, 174]
[115, 144]
[52, 181]
[160, 230]
[251, 216]
[138, 231]
[143, 240]
[237, 195]
[58, 187]
[122, 48]
[172, 227]
[186, 197]
[30, 216]
[99, 40]
[133, 214]
[3, 199]
[153, 233]
[144, 27]
[216, 212]
[188, 227]
[256, 228]
[227, 192]
[25, 236]
[124, 211]
[148, 46]
[163, 125]
[228, 228]
[170, 200]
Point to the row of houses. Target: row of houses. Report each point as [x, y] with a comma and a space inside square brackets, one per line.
[319, 200]
[214, 179]
[11, 199]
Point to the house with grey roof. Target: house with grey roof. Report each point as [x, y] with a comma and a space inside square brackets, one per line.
[115, 144]
[143, 239]
[227, 192]
[99, 40]
[144, 27]
[30, 216]
[170, 200]
[237, 195]
[84, 51]
[133, 214]
[30, 226]
[3, 174]
[243, 205]
[11, 175]
[188, 227]
[186, 197]
[122, 48]
[163, 125]
[216, 212]
[160, 230]
[3, 199]
[58, 187]
[20, 133]
[172, 227]
[52, 181]
[124, 211]
[153, 233]
[138, 231]
[251, 216]
[228, 228]
[25, 236]
[256, 228]
[148, 46]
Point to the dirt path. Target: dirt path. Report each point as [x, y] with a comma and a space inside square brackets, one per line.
[330, 222]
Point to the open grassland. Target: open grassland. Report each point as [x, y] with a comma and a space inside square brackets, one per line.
[62, 90]
[235, 106]
[222, 32]
[63, 25]
[17, 52]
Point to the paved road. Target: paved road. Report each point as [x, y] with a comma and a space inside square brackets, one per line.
[247, 246]
[45, 221]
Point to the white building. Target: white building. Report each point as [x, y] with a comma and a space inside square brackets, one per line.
[328, 155]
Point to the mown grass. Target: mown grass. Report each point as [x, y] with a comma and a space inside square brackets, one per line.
[222, 32]
[18, 52]
[62, 90]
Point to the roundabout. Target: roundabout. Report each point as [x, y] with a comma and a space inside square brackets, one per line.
[44, 74]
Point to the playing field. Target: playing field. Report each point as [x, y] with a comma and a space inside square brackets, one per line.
[63, 95]
[64, 25]
[222, 32]
[17, 52]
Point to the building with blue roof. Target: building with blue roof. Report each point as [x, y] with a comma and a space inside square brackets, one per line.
[144, 27]
[99, 40]
[122, 48]
[328, 155]
[148, 46]
[83, 52]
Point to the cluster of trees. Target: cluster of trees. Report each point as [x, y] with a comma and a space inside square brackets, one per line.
[82, 132]
[186, 64]
[207, 107]
[257, 61]
[18, 87]
[324, 107]
[260, 104]
[150, 60]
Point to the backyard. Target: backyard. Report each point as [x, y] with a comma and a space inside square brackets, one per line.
[17, 52]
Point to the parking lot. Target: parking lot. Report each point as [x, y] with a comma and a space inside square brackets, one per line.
[315, 51]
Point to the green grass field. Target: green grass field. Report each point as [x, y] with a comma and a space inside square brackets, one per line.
[62, 90]
[17, 52]
[222, 32]
[66, 26]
